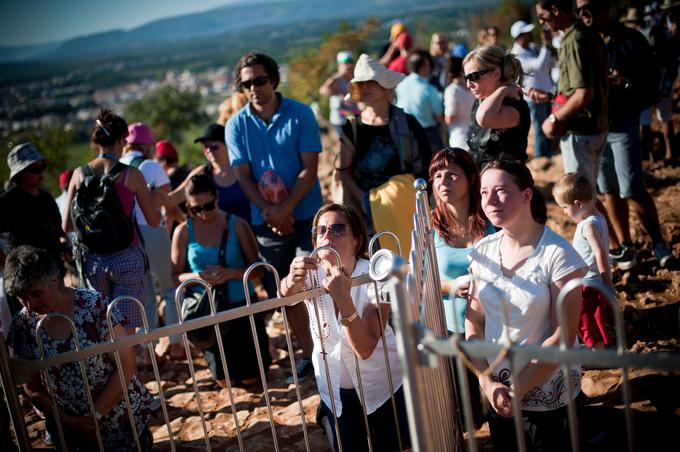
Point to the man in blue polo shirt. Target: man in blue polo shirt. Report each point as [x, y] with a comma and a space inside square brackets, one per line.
[273, 133]
[416, 96]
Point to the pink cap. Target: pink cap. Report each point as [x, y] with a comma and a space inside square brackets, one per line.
[139, 133]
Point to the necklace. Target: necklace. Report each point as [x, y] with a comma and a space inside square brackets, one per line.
[322, 331]
[106, 155]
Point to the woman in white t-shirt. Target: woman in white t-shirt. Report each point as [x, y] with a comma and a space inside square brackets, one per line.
[350, 326]
[528, 264]
[458, 101]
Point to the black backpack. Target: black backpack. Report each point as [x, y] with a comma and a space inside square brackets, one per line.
[98, 217]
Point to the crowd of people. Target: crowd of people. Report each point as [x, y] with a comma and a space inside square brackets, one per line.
[133, 222]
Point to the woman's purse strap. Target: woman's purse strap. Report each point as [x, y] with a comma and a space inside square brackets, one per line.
[222, 259]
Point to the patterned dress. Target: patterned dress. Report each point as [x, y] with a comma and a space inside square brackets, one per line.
[67, 382]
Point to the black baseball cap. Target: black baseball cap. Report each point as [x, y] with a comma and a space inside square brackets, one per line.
[214, 132]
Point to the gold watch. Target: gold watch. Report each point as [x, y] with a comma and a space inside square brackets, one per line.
[347, 321]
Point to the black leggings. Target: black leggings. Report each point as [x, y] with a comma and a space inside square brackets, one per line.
[544, 431]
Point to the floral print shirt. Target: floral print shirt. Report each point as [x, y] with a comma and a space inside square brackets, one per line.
[67, 382]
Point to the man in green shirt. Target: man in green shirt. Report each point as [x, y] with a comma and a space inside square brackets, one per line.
[581, 122]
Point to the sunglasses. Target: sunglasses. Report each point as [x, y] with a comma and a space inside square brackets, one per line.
[210, 146]
[37, 168]
[207, 207]
[337, 230]
[475, 76]
[257, 81]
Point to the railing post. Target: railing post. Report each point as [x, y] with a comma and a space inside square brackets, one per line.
[13, 405]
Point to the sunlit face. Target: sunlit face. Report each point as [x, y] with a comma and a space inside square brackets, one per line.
[584, 13]
[486, 84]
[212, 150]
[450, 184]
[39, 297]
[345, 244]
[371, 92]
[546, 17]
[202, 206]
[502, 200]
[251, 76]
[573, 209]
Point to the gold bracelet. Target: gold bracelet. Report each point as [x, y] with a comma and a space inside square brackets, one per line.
[347, 321]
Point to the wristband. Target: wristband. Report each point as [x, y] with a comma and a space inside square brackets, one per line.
[347, 321]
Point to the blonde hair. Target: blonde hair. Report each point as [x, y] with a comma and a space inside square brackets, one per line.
[573, 187]
[230, 106]
[490, 57]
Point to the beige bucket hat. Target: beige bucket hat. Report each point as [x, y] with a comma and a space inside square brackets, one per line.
[367, 69]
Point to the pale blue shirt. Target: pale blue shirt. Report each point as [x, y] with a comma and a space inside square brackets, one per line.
[276, 146]
[415, 95]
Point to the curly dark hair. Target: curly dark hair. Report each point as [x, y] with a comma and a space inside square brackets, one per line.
[26, 266]
[253, 59]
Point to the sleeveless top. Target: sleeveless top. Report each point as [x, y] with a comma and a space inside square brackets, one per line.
[127, 201]
[583, 248]
[199, 257]
[231, 198]
[489, 144]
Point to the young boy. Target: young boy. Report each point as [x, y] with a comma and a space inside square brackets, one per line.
[574, 194]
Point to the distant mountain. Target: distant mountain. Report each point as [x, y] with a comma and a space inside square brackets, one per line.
[227, 19]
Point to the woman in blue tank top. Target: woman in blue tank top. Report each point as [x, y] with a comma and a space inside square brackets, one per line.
[459, 224]
[196, 245]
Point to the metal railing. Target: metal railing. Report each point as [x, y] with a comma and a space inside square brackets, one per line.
[429, 357]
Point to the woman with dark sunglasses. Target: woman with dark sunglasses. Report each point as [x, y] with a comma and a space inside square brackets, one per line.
[349, 324]
[500, 116]
[196, 255]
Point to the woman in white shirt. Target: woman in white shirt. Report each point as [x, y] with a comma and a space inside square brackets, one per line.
[528, 264]
[350, 324]
[458, 101]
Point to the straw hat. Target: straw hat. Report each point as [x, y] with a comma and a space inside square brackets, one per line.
[632, 16]
[367, 69]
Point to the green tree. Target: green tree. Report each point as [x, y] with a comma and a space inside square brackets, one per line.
[310, 67]
[51, 141]
[169, 112]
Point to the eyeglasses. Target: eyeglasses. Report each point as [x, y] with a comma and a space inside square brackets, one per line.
[37, 168]
[475, 76]
[337, 229]
[207, 207]
[257, 81]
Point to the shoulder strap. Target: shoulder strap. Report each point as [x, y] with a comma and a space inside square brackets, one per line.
[222, 259]
[137, 161]
[115, 171]
[401, 135]
[86, 170]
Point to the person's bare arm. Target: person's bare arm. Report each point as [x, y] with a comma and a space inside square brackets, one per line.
[177, 195]
[331, 87]
[248, 243]
[112, 392]
[576, 102]
[178, 255]
[492, 114]
[595, 240]
[76, 180]
[346, 162]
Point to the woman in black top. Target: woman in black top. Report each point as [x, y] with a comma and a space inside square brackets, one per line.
[500, 116]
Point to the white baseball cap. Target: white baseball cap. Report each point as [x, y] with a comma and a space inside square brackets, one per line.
[519, 28]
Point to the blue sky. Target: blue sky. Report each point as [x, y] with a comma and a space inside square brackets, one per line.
[38, 21]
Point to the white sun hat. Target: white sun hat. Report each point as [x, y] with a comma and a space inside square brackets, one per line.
[367, 69]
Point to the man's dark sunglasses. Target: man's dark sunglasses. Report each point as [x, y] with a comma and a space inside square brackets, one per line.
[37, 168]
[207, 207]
[337, 229]
[475, 76]
[257, 81]
[583, 11]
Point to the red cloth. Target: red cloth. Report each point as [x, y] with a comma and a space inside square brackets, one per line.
[596, 319]
[399, 64]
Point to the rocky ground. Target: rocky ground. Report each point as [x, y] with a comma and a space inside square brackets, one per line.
[649, 297]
